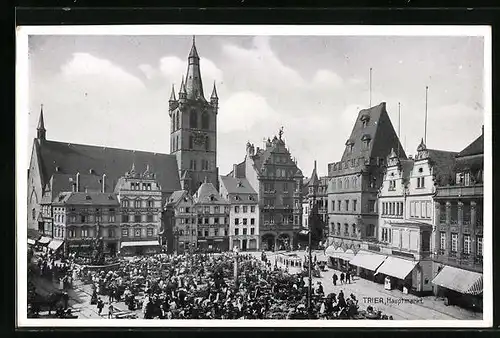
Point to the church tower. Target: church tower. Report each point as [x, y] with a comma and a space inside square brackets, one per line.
[193, 132]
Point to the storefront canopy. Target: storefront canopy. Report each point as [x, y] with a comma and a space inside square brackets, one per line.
[463, 281]
[304, 232]
[368, 260]
[339, 253]
[140, 243]
[55, 244]
[31, 241]
[44, 240]
[397, 267]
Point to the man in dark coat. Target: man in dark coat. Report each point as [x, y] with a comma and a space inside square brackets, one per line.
[334, 279]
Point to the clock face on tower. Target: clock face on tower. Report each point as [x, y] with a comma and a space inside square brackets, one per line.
[199, 138]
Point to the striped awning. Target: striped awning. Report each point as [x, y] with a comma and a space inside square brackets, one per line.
[140, 243]
[460, 280]
[397, 267]
[368, 260]
[44, 240]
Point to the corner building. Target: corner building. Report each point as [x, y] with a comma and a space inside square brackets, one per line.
[356, 179]
[193, 128]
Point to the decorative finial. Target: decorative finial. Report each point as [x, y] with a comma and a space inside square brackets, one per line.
[281, 132]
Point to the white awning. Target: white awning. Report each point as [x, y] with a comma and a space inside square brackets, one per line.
[304, 232]
[44, 240]
[368, 260]
[55, 244]
[31, 241]
[397, 267]
[139, 243]
[339, 253]
[460, 280]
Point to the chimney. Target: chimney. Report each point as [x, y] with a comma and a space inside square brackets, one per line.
[103, 183]
[234, 170]
[77, 182]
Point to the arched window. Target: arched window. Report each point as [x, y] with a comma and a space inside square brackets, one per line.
[204, 121]
[340, 184]
[177, 120]
[173, 122]
[33, 213]
[207, 143]
[178, 143]
[193, 119]
[354, 229]
[346, 183]
[354, 182]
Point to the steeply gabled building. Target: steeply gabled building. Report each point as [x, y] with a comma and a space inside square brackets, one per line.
[276, 178]
[185, 228]
[315, 188]
[213, 218]
[356, 178]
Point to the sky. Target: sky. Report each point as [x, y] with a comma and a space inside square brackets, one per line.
[113, 91]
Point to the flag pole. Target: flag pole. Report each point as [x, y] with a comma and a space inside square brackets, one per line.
[370, 87]
[399, 126]
[425, 126]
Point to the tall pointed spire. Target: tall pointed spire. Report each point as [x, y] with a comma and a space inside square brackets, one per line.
[40, 130]
[194, 86]
[182, 90]
[214, 93]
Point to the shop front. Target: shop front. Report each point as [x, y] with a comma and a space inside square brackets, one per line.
[44, 242]
[56, 245]
[339, 259]
[213, 244]
[397, 273]
[80, 248]
[367, 264]
[138, 248]
[460, 287]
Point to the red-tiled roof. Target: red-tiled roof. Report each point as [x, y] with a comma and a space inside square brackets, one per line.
[73, 158]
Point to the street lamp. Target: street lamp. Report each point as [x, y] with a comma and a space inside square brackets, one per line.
[310, 253]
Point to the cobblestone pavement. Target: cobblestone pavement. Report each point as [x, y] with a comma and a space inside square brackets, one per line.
[366, 291]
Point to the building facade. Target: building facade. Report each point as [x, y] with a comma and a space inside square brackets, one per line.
[276, 178]
[356, 179]
[315, 188]
[185, 229]
[243, 214]
[83, 217]
[140, 199]
[193, 133]
[213, 219]
[458, 231]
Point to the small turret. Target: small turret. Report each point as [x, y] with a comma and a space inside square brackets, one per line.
[214, 99]
[172, 102]
[40, 130]
[182, 91]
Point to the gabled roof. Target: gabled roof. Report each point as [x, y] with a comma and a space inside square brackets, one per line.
[176, 197]
[88, 198]
[379, 130]
[207, 194]
[443, 163]
[475, 148]
[237, 185]
[63, 182]
[73, 158]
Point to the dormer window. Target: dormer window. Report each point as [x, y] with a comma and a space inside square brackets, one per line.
[365, 118]
[87, 197]
[366, 139]
[349, 145]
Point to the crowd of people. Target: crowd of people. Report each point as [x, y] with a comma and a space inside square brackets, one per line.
[202, 286]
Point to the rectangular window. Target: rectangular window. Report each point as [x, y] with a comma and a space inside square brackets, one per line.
[149, 218]
[236, 209]
[252, 208]
[454, 242]
[339, 205]
[206, 210]
[371, 206]
[245, 209]
[150, 232]
[85, 233]
[466, 244]
[216, 220]
[216, 210]
[252, 221]
[244, 221]
[199, 233]
[296, 220]
[206, 233]
[83, 218]
[333, 205]
[442, 240]
[346, 205]
[285, 187]
[244, 231]
[236, 232]
[236, 221]
[124, 232]
[112, 218]
[252, 231]
[206, 220]
[412, 209]
[137, 218]
[479, 251]
[354, 205]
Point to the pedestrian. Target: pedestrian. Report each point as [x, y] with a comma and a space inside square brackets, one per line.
[100, 306]
[110, 311]
[65, 299]
[348, 277]
[334, 279]
[342, 278]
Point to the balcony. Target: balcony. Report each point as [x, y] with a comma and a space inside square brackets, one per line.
[457, 191]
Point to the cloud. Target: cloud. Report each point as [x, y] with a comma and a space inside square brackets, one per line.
[327, 78]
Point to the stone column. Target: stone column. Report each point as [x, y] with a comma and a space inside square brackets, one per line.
[448, 228]
[437, 232]
[473, 229]
[460, 229]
